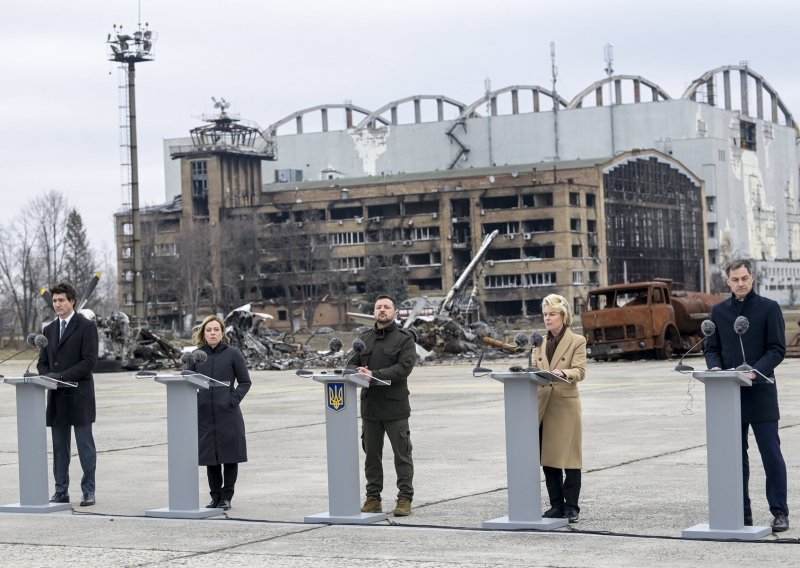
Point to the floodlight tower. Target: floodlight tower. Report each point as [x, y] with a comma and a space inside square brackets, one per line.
[128, 50]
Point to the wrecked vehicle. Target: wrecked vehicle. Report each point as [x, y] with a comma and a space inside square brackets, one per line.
[648, 318]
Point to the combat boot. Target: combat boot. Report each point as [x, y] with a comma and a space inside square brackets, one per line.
[403, 507]
[372, 505]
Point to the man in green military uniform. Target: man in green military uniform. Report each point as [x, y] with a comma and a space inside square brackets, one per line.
[389, 355]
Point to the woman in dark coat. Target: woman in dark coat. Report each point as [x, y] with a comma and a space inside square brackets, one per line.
[220, 425]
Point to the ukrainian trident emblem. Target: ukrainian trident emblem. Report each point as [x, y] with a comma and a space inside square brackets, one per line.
[336, 400]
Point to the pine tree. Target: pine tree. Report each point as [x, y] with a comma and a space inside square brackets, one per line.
[79, 262]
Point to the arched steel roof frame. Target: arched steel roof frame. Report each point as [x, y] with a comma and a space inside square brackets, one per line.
[707, 80]
[441, 100]
[349, 108]
[535, 90]
[638, 80]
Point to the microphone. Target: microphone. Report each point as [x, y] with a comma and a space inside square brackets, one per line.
[31, 341]
[479, 371]
[740, 326]
[39, 341]
[334, 346]
[199, 356]
[358, 347]
[521, 340]
[536, 341]
[707, 328]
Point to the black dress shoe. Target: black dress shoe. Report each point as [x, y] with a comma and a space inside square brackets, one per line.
[60, 497]
[553, 513]
[88, 500]
[780, 523]
[213, 505]
[572, 515]
[224, 504]
[748, 520]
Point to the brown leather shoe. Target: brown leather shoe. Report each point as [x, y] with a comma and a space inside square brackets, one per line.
[372, 505]
[402, 508]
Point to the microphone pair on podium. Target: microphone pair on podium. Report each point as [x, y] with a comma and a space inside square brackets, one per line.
[196, 356]
[708, 328]
[36, 340]
[520, 340]
[334, 346]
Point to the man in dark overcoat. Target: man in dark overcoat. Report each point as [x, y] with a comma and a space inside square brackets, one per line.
[70, 356]
[764, 344]
[389, 355]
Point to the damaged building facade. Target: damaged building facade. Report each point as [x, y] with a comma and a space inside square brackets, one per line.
[728, 140]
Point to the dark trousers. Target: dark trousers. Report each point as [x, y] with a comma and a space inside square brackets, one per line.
[563, 487]
[62, 451]
[769, 446]
[218, 488]
[399, 435]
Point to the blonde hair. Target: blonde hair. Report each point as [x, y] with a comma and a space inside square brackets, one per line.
[199, 335]
[558, 303]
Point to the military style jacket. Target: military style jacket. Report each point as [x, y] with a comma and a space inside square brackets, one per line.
[390, 354]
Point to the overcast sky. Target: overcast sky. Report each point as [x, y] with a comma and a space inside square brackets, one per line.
[269, 58]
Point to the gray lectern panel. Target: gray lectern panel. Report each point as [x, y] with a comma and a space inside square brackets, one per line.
[341, 439]
[522, 455]
[32, 447]
[724, 461]
[182, 450]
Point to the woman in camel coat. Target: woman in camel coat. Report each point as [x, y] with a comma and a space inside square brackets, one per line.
[564, 354]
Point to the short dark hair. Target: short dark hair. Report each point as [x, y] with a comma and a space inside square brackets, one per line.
[65, 288]
[739, 263]
[385, 297]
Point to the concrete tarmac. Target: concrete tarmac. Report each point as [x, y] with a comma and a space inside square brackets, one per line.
[644, 481]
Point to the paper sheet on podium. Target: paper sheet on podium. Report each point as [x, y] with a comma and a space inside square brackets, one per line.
[552, 377]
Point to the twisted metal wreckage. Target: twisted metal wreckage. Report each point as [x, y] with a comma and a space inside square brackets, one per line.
[439, 326]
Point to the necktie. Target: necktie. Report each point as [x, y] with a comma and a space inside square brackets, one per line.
[63, 329]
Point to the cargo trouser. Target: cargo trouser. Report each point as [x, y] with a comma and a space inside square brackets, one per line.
[372, 432]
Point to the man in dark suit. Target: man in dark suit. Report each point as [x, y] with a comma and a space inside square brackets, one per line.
[764, 346]
[70, 356]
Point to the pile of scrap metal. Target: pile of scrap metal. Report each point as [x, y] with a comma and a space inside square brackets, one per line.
[121, 345]
[265, 348]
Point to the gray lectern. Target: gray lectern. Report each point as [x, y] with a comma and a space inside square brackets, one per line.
[32, 445]
[522, 454]
[724, 447]
[341, 433]
[184, 487]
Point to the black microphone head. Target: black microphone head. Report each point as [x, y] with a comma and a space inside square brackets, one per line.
[708, 328]
[741, 325]
[199, 356]
[335, 344]
[186, 357]
[536, 339]
[681, 368]
[521, 340]
[359, 345]
[40, 341]
[31, 339]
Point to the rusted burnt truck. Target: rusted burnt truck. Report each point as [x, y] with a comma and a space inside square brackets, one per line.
[647, 318]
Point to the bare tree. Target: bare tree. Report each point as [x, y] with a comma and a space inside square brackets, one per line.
[300, 265]
[19, 275]
[194, 265]
[50, 210]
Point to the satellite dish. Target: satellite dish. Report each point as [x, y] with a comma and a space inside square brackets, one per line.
[491, 179]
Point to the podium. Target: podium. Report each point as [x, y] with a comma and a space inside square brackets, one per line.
[724, 450]
[182, 450]
[32, 446]
[341, 435]
[520, 391]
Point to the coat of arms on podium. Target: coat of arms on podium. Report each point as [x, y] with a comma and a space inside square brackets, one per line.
[336, 400]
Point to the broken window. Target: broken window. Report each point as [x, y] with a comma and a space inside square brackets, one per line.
[747, 135]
